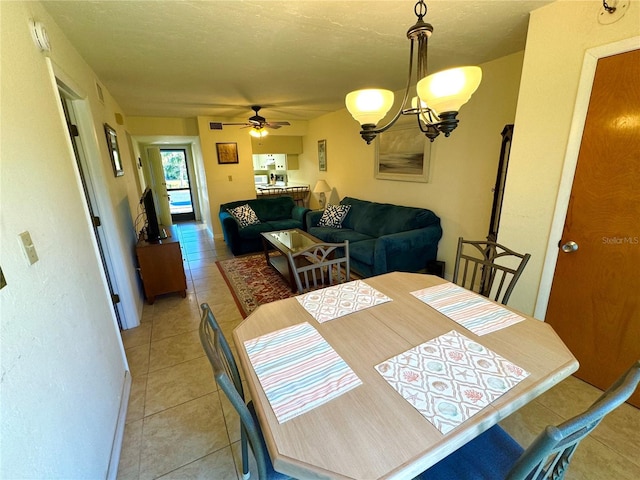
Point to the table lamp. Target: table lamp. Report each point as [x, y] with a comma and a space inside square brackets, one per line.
[322, 187]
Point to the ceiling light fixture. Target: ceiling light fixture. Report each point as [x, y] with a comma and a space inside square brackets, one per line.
[258, 132]
[439, 99]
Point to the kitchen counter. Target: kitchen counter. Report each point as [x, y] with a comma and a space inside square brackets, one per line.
[299, 192]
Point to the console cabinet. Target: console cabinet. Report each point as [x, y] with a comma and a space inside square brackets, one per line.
[160, 266]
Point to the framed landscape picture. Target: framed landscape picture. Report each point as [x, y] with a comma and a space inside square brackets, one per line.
[403, 153]
[227, 152]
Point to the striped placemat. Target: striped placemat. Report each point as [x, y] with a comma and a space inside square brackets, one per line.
[298, 370]
[474, 312]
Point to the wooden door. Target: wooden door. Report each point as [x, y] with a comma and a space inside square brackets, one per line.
[595, 297]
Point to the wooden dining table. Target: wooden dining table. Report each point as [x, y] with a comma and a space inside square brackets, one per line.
[371, 431]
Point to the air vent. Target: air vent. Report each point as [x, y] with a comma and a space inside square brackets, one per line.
[215, 126]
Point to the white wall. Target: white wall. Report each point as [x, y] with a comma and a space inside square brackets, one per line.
[559, 36]
[63, 366]
[463, 166]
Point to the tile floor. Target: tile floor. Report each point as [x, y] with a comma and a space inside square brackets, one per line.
[180, 427]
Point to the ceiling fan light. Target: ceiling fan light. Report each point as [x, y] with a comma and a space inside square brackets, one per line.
[370, 105]
[258, 132]
[448, 90]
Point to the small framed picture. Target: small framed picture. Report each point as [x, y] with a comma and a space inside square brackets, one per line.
[227, 152]
[114, 151]
[322, 155]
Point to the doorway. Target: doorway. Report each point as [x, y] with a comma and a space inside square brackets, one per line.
[177, 179]
[89, 194]
[595, 284]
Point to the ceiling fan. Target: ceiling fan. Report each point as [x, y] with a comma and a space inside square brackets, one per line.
[256, 122]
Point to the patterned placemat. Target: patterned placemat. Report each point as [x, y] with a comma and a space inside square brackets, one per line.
[298, 370]
[474, 312]
[450, 378]
[339, 300]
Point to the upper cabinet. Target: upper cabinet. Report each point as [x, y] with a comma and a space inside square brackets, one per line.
[275, 161]
[277, 144]
[287, 162]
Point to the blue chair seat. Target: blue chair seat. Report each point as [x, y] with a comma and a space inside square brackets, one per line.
[488, 456]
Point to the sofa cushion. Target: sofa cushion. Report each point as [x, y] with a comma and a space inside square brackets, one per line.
[287, 224]
[254, 231]
[378, 219]
[244, 215]
[363, 251]
[269, 209]
[337, 235]
[333, 216]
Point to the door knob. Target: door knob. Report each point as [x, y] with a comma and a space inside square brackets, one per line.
[569, 247]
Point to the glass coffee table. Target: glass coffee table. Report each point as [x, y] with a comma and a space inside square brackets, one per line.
[286, 241]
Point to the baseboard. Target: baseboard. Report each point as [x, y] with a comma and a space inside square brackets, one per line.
[118, 436]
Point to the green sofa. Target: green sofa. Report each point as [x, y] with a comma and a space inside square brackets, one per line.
[383, 237]
[274, 213]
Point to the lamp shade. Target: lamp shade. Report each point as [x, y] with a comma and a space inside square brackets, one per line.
[369, 106]
[321, 187]
[448, 90]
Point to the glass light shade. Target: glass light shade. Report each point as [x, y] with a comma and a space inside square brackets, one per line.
[448, 90]
[370, 105]
[258, 132]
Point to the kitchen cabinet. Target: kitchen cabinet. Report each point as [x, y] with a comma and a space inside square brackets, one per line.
[287, 162]
[277, 144]
[269, 161]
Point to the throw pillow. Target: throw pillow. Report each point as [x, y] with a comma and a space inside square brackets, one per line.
[244, 215]
[334, 215]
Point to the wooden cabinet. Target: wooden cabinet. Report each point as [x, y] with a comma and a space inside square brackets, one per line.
[287, 162]
[160, 266]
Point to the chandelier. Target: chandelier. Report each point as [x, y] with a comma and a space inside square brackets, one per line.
[439, 98]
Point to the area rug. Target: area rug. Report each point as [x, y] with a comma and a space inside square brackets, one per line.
[252, 282]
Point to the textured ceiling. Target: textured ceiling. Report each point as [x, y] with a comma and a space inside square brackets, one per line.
[296, 58]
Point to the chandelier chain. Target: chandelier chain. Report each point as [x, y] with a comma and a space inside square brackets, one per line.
[607, 7]
[420, 9]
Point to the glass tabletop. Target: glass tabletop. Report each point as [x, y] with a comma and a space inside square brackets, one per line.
[294, 240]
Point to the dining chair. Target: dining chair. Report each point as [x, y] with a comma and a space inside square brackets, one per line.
[320, 265]
[494, 455]
[227, 376]
[488, 268]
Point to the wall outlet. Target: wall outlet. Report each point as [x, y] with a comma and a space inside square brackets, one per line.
[28, 248]
[231, 178]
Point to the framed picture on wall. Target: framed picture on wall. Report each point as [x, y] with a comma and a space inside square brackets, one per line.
[322, 155]
[227, 152]
[403, 153]
[114, 151]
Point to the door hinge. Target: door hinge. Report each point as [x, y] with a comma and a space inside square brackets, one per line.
[96, 222]
[73, 130]
[115, 298]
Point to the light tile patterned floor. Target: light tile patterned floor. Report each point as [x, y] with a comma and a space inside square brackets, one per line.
[180, 427]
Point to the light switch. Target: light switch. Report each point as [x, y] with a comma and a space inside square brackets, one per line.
[28, 248]
[231, 178]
